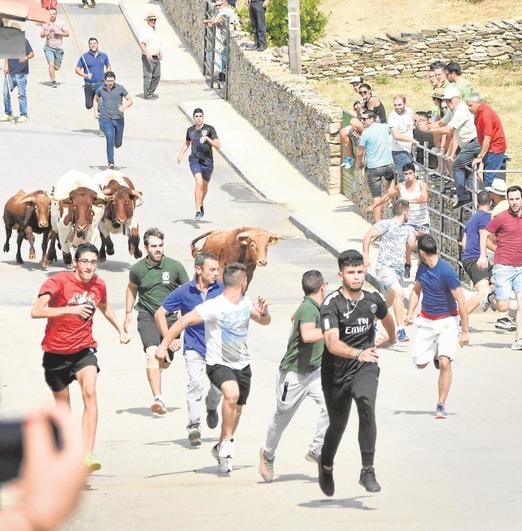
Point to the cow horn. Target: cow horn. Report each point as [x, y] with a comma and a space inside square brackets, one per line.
[243, 236]
[136, 194]
[29, 198]
[193, 249]
[107, 191]
[274, 238]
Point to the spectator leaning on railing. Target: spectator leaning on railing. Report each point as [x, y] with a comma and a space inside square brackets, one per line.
[454, 75]
[401, 126]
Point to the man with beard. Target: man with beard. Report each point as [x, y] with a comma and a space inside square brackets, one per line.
[438, 323]
[152, 279]
[204, 286]
[349, 369]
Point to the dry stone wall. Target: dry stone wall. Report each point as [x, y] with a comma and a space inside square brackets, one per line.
[473, 46]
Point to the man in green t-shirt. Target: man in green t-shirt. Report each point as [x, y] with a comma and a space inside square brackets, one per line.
[152, 279]
[299, 375]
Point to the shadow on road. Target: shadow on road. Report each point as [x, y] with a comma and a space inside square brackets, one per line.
[292, 477]
[116, 266]
[417, 412]
[142, 411]
[195, 223]
[213, 470]
[348, 503]
[95, 132]
[241, 193]
[186, 444]
[29, 266]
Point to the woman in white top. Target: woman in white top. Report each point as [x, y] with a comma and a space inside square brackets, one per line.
[416, 193]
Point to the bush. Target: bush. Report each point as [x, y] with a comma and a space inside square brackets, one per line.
[313, 22]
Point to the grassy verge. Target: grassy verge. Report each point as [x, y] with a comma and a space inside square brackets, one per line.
[501, 86]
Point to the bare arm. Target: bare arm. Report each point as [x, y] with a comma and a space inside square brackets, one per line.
[389, 326]
[413, 302]
[359, 156]
[458, 295]
[393, 191]
[423, 198]
[338, 348]
[108, 313]
[130, 299]
[484, 148]
[95, 106]
[161, 321]
[395, 134]
[189, 319]
[41, 310]
[183, 150]
[368, 238]
[126, 103]
[441, 129]
[310, 333]
[144, 50]
[484, 235]
[259, 312]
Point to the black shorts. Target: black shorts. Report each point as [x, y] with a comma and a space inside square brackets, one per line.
[474, 272]
[149, 333]
[375, 176]
[61, 369]
[219, 374]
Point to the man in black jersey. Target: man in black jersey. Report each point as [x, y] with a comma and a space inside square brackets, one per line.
[349, 367]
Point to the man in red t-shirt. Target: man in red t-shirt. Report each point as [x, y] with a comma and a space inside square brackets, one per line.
[490, 135]
[68, 301]
[506, 229]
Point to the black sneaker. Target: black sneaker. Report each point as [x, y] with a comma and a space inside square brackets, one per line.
[368, 481]
[460, 203]
[326, 481]
[212, 418]
[407, 270]
[505, 323]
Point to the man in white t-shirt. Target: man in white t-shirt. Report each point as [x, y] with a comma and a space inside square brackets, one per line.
[400, 121]
[461, 123]
[150, 44]
[226, 319]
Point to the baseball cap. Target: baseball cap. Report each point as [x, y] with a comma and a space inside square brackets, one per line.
[498, 186]
[438, 93]
[356, 79]
[451, 92]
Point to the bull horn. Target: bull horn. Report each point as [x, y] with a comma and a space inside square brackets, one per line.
[193, 249]
[107, 191]
[276, 237]
[243, 235]
[29, 198]
[136, 194]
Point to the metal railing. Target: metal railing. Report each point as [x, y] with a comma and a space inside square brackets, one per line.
[216, 52]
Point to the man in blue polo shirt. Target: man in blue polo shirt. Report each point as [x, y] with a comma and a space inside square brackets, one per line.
[443, 301]
[92, 66]
[185, 298]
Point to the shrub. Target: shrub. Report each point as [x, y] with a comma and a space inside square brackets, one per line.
[313, 22]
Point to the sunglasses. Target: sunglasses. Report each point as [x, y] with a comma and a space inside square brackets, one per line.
[363, 92]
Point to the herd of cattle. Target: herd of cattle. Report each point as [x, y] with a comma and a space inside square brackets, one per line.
[81, 207]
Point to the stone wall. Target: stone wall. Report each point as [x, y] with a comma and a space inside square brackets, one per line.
[473, 46]
[301, 123]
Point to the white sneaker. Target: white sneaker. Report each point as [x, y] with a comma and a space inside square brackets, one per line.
[225, 454]
[6, 118]
[517, 345]
[21, 119]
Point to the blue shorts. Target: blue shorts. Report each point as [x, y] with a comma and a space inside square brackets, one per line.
[423, 228]
[507, 279]
[53, 55]
[200, 167]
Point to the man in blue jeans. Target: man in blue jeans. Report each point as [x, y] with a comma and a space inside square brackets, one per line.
[15, 72]
[111, 114]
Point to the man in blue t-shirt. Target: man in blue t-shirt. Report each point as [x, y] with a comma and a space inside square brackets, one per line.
[438, 322]
[475, 230]
[92, 66]
[185, 298]
[16, 72]
[375, 142]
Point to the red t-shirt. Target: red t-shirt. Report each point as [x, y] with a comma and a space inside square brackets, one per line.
[507, 228]
[68, 334]
[488, 123]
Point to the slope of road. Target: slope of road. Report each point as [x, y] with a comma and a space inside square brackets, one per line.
[463, 473]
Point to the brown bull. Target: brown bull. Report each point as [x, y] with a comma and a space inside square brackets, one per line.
[119, 216]
[28, 214]
[247, 245]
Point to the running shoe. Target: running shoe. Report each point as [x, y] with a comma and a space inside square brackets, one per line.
[21, 119]
[459, 203]
[407, 270]
[198, 215]
[485, 303]
[92, 463]
[326, 480]
[517, 344]
[215, 452]
[368, 480]
[212, 418]
[6, 118]
[312, 457]
[266, 466]
[158, 407]
[505, 323]
[226, 452]
[194, 436]
[440, 412]
[54, 84]
[348, 162]
[402, 337]
[110, 166]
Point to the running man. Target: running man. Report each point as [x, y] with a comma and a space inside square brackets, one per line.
[152, 279]
[201, 138]
[438, 323]
[395, 236]
[204, 286]
[349, 369]
[226, 321]
[68, 301]
[53, 32]
[299, 375]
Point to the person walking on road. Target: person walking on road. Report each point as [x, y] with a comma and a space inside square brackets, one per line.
[111, 112]
[349, 369]
[438, 323]
[150, 44]
[53, 32]
[299, 375]
[226, 319]
[257, 10]
[201, 138]
[68, 301]
[16, 72]
[506, 228]
[395, 236]
[92, 66]
[204, 286]
[152, 279]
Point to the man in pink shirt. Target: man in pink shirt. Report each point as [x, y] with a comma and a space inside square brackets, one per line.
[490, 135]
[53, 32]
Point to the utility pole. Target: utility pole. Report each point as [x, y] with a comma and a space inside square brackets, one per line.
[294, 36]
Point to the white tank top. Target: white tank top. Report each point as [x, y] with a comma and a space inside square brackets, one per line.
[418, 211]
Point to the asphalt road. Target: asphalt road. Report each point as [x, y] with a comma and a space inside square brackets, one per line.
[463, 473]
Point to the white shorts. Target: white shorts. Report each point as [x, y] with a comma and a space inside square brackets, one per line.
[435, 337]
[387, 276]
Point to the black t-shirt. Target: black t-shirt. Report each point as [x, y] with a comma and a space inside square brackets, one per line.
[356, 324]
[199, 151]
[427, 140]
[15, 66]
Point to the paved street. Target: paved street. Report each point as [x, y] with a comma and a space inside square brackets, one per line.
[459, 474]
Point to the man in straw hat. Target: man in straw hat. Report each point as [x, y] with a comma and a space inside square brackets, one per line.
[150, 44]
